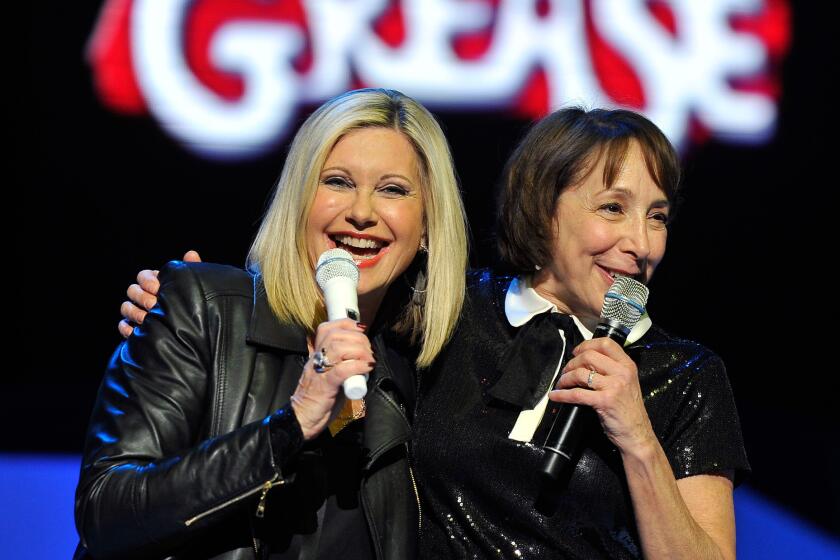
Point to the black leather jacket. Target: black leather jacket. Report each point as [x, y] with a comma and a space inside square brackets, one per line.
[192, 427]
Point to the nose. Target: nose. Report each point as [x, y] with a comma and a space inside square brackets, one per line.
[361, 213]
[636, 240]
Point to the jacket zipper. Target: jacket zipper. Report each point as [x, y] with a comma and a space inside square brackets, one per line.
[261, 508]
[265, 487]
[414, 486]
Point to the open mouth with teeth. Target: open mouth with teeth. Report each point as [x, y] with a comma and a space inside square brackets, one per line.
[614, 274]
[366, 251]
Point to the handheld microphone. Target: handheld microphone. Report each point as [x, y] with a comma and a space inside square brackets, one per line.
[624, 305]
[338, 277]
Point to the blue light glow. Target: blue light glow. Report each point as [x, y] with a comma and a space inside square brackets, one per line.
[37, 494]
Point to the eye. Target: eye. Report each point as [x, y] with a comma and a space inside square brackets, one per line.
[337, 182]
[612, 208]
[660, 217]
[394, 190]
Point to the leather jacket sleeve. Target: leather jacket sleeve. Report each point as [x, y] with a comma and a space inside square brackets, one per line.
[150, 483]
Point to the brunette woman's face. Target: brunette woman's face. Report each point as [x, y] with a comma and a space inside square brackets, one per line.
[601, 231]
[369, 202]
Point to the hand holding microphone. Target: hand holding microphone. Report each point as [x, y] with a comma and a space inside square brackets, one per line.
[342, 352]
[338, 277]
[603, 377]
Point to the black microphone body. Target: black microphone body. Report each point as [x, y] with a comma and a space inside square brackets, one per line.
[564, 437]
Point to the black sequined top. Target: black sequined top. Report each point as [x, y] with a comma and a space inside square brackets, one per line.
[479, 488]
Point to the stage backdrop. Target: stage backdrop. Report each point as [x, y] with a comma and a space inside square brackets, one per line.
[143, 128]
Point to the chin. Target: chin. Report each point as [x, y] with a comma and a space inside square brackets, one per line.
[366, 288]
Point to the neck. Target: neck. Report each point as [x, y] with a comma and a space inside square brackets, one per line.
[369, 306]
[547, 286]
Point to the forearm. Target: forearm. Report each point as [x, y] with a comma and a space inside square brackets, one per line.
[150, 507]
[666, 526]
[157, 473]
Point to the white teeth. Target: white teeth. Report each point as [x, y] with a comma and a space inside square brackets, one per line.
[359, 243]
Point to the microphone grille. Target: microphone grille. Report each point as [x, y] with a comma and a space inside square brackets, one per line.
[335, 263]
[625, 301]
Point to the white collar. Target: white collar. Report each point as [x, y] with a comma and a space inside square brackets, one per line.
[522, 302]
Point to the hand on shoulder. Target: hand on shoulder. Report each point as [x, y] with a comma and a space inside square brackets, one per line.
[142, 297]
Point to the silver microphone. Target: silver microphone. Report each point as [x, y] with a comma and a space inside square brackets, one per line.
[624, 305]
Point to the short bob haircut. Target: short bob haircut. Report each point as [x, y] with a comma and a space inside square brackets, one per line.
[279, 251]
[558, 152]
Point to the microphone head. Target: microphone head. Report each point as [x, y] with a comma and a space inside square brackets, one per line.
[336, 263]
[625, 302]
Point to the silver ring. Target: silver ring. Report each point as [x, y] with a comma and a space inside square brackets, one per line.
[592, 373]
[320, 362]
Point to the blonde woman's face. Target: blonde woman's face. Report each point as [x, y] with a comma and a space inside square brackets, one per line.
[369, 202]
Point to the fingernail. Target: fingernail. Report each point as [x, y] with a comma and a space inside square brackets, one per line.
[362, 326]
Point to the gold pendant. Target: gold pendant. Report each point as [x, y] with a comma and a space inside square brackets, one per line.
[352, 410]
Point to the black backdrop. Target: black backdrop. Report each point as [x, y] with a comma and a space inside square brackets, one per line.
[749, 272]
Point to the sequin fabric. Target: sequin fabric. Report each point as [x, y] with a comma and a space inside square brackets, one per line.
[481, 491]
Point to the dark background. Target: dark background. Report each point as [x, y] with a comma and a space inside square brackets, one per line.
[95, 197]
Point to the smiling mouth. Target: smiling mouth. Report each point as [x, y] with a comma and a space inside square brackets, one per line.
[363, 249]
[616, 273]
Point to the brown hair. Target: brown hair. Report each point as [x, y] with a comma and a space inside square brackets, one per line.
[558, 152]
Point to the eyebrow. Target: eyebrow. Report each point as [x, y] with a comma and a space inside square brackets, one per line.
[397, 175]
[659, 203]
[335, 168]
[383, 177]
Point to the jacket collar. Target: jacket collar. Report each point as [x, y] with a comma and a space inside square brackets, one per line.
[264, 328]
[386, 420]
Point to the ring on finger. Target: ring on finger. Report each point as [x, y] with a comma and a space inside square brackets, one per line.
[320, 362]
[592, 374]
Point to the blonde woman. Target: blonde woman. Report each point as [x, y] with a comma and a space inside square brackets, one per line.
[213, 435]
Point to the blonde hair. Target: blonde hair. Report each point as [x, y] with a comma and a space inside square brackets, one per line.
[279, 250]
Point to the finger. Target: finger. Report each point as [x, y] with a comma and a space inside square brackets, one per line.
[348, 324]
[148, 281]
[580, 378]
[349, 368]
[339, 345]
[328, 328]
[603, 345]
[139, 297]
[576, 395]
[132, 313]
[342, 345]
[315, 384]
[192, 256]
[344, 336]
[125, 329]
[337, 352]
[605, 365]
